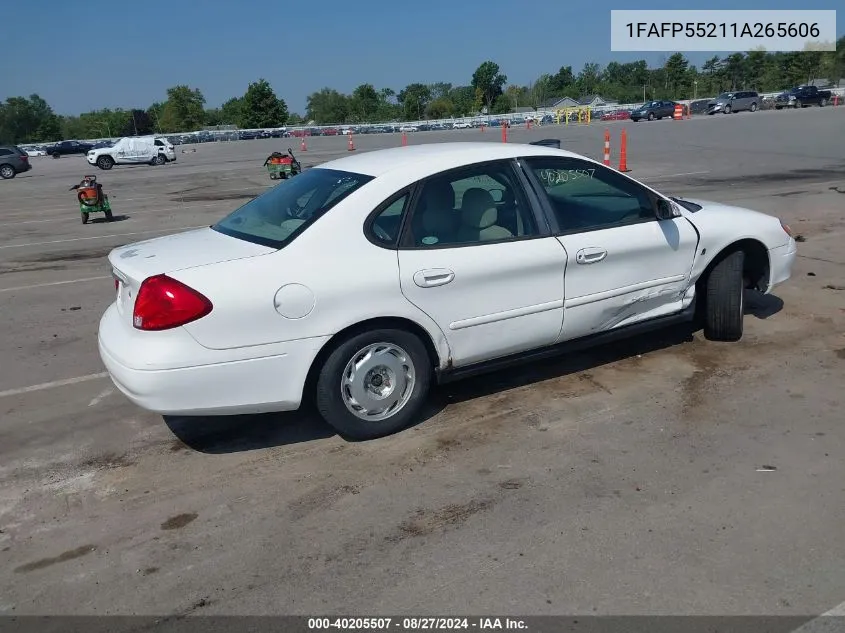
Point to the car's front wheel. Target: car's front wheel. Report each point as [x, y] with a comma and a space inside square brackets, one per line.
[724, 299]
[105, 162]
[374, 383]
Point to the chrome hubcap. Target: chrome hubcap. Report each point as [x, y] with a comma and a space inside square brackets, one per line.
[378, 381]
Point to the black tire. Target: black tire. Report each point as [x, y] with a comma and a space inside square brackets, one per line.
[651, 116]
[105, 162]
[109, 215]
[724, 299]
[753, 107]
[7, 172]
[329, 394]
[56, 155]
[84, 218]
[728, 109]
[159, 159]
[822, 103]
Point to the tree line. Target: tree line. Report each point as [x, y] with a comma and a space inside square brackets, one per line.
[31, 119]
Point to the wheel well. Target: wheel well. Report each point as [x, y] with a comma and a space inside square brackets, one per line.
[755, 269]
[399, 323]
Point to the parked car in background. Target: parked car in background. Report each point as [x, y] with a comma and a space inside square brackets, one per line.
[36, 151]
[13, 161]
[801, 97]
[133, 150]
[728, 102]
[66, 148]
[427, 263]
[616, 115]
[652, 110]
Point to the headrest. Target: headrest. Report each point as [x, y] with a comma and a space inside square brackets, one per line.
[478, 209]
[438, 195]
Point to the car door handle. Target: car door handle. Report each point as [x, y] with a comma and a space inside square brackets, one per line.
[433, 277]
[590, 255]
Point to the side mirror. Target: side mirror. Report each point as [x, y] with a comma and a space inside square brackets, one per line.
[666, 210]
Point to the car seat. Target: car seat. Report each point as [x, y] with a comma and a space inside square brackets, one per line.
[435, 219]
[479, 218]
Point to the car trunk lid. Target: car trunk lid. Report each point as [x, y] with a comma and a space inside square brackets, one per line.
[134, 263]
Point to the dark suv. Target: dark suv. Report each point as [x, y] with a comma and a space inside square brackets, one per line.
[13, 161]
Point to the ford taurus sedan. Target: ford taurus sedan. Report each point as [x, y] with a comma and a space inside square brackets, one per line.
[363, 281]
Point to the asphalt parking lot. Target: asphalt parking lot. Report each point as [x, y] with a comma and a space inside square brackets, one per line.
[634, 479]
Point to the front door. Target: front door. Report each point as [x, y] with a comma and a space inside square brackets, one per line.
[475, 259]
[623, 264]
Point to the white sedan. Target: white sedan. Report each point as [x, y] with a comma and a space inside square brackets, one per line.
[361, 281]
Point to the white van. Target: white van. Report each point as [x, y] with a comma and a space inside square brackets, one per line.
[133, 150]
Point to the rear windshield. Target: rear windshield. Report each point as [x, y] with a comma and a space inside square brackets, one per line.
[279, 215]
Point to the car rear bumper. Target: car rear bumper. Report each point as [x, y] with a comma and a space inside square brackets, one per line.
[209, 382]
[781, 260]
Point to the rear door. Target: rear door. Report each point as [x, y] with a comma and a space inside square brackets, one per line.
[476, 257]
[623, 265]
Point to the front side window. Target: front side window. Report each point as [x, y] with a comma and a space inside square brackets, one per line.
[277, 216]
[586, 196]
[484, 203]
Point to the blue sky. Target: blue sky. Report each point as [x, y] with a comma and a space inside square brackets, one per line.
[136, 50]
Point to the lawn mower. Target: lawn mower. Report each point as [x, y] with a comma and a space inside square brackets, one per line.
[282, 166]
[91, 198]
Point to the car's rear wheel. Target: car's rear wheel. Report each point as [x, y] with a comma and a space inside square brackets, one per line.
[724, 299]
[374, 383]
[753, 107]
[822, 103]
[159, 159]
[7, 172]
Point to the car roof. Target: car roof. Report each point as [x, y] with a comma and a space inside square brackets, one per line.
[379, 162]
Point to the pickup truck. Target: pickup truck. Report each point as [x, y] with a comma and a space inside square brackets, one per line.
[65, 148]
[801, 97]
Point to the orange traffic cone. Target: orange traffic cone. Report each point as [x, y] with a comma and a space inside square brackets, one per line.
[404, 139]
[607, 147]
[623, 152]
[302, 146]
[351, 144]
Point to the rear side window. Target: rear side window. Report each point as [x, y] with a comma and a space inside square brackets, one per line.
[5, 152]
[276, 217]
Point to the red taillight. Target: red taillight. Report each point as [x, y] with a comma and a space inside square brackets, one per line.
[165, 303]
[24, 157]
[786, 228]
[116, 284]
